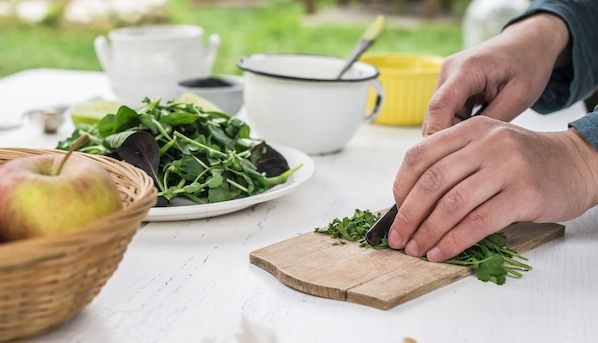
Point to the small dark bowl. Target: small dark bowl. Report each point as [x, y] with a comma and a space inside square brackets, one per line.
[225, 92]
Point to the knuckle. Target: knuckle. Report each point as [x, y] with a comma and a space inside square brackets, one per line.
[478, 220]
[426, 231]
[449, 61]
[512, 145]
[399, 191]
[484, 125]
[453, 201]
[481, 64]
[439, 101]
[404, 218]
[461, 60]
[396, 186]
[504, 134]
[470, 60]
[415, 154]
[432, 179]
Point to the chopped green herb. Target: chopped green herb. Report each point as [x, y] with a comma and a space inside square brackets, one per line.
[488, 257]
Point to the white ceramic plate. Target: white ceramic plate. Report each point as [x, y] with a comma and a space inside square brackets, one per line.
[184, 209]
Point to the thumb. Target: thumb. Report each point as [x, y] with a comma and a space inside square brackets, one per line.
[444, 104]
[437, 119]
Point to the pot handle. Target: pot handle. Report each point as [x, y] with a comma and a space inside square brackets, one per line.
[103, 52]
[379, 103]
[213, 44]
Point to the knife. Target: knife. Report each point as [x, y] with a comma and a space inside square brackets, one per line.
[380, 228]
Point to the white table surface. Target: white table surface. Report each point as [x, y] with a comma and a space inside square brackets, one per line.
[191, 281]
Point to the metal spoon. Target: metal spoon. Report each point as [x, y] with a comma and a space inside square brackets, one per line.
[371, 34]
[49, 118]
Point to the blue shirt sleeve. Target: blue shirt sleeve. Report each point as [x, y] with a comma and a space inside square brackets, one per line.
[579, 80]
[588, 126]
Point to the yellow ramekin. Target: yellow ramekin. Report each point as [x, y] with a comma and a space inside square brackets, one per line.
[409, 81]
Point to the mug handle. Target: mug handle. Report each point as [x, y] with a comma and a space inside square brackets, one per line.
[213, 44]
[103, 52]
[380, 99]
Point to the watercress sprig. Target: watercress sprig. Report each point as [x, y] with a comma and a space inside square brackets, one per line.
[489, 257]
[204, 156]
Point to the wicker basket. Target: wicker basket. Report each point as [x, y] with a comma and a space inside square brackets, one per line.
[45, 281]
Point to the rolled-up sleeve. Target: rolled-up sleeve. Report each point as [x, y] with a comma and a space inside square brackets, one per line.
[588, 126]
[579, 80]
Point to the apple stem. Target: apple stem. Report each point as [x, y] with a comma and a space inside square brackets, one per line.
[74, 147]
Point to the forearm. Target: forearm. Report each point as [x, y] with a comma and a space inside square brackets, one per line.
[576, 75]
[546, 34]
[581, 149]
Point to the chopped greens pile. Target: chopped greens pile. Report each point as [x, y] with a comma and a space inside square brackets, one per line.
[488, 257]
[205, 156]
[354, 228]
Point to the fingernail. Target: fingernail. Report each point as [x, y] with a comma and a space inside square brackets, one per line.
[412, 249]
[434, 254]
[394, 239]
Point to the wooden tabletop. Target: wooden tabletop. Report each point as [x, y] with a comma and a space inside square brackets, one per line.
[191, 281]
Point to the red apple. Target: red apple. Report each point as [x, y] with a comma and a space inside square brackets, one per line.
[37, 198]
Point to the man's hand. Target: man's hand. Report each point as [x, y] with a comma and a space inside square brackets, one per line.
[508, 72]
[465, 182]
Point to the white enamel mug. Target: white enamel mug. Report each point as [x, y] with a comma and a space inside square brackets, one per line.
[146, 61]
[296, 100]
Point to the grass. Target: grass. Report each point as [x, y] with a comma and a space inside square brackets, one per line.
[273, 26]
[39, 46]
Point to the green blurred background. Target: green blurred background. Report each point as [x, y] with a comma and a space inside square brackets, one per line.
[256, 26]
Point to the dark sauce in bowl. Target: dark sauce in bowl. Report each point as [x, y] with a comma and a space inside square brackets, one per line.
[205, 83]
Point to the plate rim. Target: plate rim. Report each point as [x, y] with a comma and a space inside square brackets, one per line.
[230, 206]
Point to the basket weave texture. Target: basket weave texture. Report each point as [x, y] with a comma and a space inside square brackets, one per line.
[45, 281]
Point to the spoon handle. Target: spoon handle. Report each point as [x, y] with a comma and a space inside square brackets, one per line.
[360, 47]
[370, 35]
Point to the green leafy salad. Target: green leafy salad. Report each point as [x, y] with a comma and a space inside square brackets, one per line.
[488, 257]
[202, 155]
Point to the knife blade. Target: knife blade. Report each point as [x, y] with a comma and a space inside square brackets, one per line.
[380, 228]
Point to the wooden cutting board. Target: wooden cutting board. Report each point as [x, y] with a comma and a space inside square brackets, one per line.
[381, 278]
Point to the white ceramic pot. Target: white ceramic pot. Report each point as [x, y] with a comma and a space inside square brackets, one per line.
[296, 100]
[146, 61]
